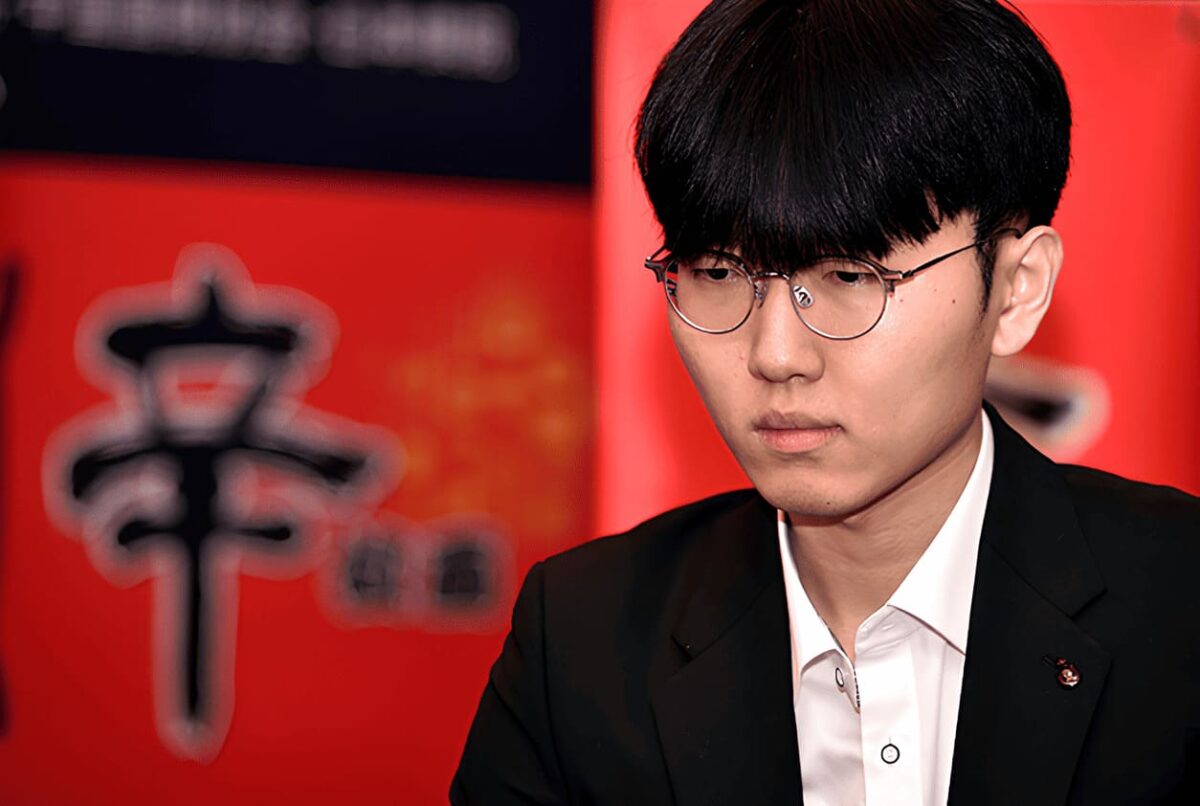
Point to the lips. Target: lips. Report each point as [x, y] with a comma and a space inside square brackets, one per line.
[779, 421]
[793, 432]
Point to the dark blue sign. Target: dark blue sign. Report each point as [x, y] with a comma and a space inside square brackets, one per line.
[481, 89]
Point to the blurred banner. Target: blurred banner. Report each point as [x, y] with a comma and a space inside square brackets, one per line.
[1113, 378]
[280, 441]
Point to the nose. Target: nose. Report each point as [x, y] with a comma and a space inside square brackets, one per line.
[781, 347]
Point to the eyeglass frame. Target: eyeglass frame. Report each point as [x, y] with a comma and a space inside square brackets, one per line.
[889, 278]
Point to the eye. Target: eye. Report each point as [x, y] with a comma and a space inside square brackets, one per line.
[713, 275]
[711, 270]
[849, 277]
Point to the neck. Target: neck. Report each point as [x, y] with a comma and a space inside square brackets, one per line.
[851, 566]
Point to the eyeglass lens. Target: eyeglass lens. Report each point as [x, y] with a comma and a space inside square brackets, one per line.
[839, 298]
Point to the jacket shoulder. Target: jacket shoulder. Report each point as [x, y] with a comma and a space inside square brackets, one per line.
[1110, 503]
[1145, 539]
[653, 546]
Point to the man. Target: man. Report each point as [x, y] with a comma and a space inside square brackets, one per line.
[912, 605]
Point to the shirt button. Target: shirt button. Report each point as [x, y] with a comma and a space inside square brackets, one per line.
[839, 678]
[890, 753]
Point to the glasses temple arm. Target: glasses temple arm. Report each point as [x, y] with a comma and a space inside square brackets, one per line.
[904, 275]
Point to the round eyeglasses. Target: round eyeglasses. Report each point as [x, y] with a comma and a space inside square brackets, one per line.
[836, 296]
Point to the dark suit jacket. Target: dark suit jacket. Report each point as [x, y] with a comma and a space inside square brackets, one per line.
[654, 667]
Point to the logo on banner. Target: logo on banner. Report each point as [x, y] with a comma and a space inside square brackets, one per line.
[207, 464]
[1062, 409]
[443, 574]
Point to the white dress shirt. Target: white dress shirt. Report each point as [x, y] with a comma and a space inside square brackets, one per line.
[881, 731]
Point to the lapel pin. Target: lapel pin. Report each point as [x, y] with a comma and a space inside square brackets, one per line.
[1068, 673]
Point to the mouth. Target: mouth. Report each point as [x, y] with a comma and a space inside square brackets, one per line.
[794, 433]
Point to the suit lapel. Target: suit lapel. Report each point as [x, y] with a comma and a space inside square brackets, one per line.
[726, 720]
[1019, 730]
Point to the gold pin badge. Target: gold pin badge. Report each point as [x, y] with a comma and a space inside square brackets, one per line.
[1067, 672]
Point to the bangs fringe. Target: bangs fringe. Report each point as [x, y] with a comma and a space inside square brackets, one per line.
[788, 130]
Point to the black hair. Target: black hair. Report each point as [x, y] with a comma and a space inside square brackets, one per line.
[789, 129]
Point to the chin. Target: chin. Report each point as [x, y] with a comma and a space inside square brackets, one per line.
[819, 502]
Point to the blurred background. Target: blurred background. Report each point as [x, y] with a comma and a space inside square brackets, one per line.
[320, 322]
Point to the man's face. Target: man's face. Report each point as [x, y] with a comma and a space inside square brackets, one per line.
[826, 429]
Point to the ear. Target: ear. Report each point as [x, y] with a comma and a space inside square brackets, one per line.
[1026, 270]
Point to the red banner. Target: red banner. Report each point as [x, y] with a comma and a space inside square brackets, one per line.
[278, 447]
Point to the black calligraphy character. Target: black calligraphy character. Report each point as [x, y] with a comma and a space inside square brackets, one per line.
[199, 459]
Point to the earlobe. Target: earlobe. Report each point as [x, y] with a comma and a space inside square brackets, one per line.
[1026, 270]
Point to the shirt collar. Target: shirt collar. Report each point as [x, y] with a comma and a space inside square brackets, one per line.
[938, 588]
[811, 638]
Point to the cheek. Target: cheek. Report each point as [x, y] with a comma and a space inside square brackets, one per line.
[713, 365]
[931, 371]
